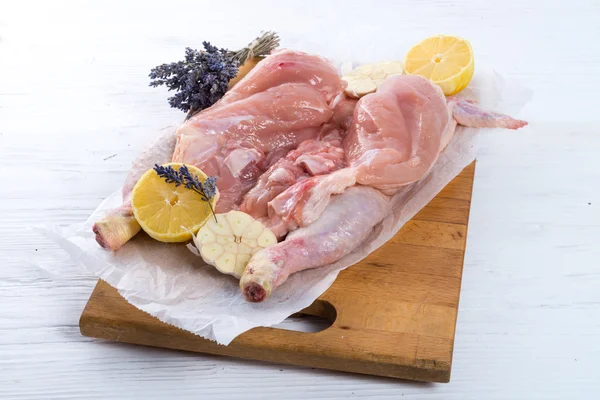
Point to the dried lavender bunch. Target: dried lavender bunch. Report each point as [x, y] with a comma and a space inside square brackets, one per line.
[207, 189]
[201, 79]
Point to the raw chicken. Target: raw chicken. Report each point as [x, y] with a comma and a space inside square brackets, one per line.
[303, 203]
[396, 133]
[308, 159]
[343, 112]
[395, 137]
[399, 132]
[466, 113]
[313, 157]
[231, 141]
[289, 66]
[281, 103]
[343, 226]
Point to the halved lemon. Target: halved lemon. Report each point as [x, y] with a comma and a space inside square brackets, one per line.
[170, 213]
[447, 61]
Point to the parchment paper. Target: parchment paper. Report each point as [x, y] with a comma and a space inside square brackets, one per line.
[172, 284]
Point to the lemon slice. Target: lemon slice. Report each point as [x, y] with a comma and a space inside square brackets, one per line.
[166, 212]
[447, 61]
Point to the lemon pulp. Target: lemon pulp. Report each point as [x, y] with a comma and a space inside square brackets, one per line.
[447, 61]
[166, 212]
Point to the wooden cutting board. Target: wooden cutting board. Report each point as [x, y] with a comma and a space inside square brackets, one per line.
[394, 313]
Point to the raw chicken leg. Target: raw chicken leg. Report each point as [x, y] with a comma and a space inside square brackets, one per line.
[344, 225]
[119, 225]
[394, 139]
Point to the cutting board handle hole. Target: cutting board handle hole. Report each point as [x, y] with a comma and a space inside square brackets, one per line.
[316, 318]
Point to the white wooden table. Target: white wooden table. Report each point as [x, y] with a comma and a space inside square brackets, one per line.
[75, 107]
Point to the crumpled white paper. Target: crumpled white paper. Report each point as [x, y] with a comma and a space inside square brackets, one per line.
[172, 284]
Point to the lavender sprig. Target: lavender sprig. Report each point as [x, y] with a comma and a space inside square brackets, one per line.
[201, 79]
[207, 189]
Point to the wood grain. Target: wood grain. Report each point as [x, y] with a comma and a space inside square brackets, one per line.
[389, 318]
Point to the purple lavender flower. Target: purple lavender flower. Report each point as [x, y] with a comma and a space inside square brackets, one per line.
[200, 80]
